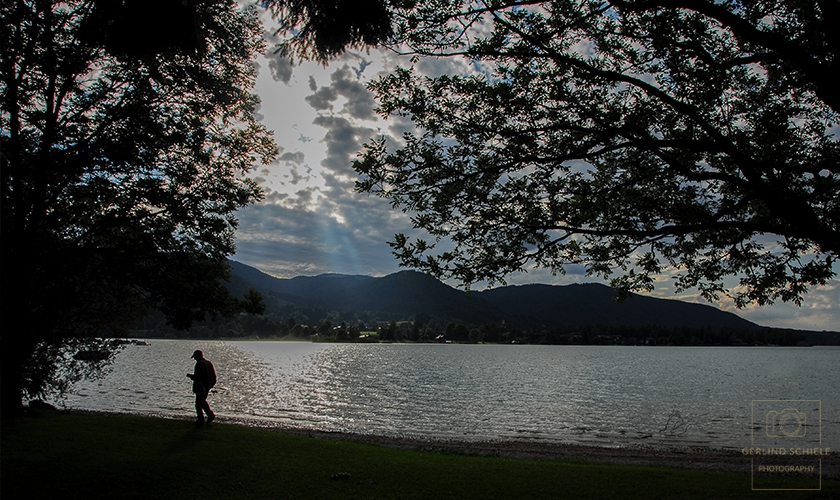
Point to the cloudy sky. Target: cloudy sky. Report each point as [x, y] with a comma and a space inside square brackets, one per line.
[312, 221]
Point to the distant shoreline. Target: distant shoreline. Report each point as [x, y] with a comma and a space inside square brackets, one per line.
[412, 342]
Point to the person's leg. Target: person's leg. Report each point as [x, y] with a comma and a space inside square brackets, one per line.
[210, 415]
[200, 405]
[206, 407]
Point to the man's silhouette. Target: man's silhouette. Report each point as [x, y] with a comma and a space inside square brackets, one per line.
[203, 379]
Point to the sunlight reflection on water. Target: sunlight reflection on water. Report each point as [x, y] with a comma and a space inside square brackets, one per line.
[587, 394]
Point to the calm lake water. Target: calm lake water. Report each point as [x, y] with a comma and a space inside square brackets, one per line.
[605, 395]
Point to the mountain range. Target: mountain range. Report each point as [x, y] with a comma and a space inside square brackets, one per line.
[404, 294]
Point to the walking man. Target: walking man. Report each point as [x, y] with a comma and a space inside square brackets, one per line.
[203, 379]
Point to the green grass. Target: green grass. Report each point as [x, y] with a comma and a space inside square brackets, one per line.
[93, 456]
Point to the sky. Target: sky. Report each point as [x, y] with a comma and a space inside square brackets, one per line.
[313, 222]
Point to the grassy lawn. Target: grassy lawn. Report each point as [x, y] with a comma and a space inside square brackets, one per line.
[92, 456]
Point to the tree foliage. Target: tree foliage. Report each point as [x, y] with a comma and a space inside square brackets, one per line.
[322, 29]
[253, 303]
[122, 167]
[690, 138]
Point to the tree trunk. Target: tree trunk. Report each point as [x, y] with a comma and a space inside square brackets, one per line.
[11, 380]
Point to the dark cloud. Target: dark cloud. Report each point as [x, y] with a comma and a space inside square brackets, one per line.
[360, 101]
[323, 98]
[344, 140]
[281, 67]
[294, 177]
[343, 83]
[290, 157]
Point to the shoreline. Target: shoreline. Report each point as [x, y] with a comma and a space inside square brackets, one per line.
[694, 457]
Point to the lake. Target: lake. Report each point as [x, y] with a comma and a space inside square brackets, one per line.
[604, 395]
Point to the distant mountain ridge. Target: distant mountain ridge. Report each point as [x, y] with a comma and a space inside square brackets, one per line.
[578, 305]
[406, 293]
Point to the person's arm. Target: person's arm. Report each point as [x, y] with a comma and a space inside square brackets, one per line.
[192, 376]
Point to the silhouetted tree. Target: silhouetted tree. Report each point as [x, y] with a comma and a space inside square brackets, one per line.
[321, 29]
[390, 333]
[449, 333]
[629, 136]
[123, 163]
[253, 303]
[475, 335]
[325, 328]
[460, 333]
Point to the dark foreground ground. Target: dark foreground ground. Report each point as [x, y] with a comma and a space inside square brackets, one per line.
[85, 455]
[711, 459]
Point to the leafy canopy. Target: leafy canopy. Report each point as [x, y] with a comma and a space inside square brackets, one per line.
[638, 138]
[123, 163]
[322, 29]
